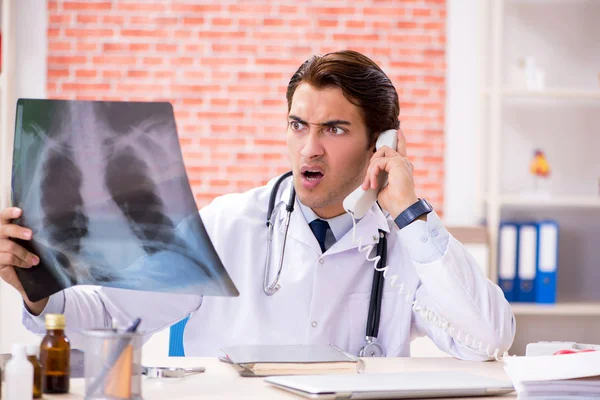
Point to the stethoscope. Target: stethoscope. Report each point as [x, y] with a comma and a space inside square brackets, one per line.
[371, 347]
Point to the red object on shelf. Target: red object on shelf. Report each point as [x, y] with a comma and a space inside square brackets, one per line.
[571, 351]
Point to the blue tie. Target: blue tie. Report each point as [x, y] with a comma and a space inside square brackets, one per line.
[319, 229]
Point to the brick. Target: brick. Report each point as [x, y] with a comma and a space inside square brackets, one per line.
[59, 46]
[86, 19]
[331, 11]
[66, 60]
[193, 21]
[249, 8]
[115, 47]
[163, 74]
[86, 47]
[79, 33]
[194, 75]
[110, 74]
[196, 8]
[355, 24]
[114, 60]
[113, 19]
[385, 11]
[140, 6]
[327, 23]
[152, 33]
[168, 48]
[139, 47]
[152, 60]
[86, 73]
[85, 87]
[179, 61]
[86, 6]
[141, 20]
[62, 19]
[285, 9]
[54, 32]
[222, 21]
[273, 22]
[58, 73]
[138, 74]
[421, 12]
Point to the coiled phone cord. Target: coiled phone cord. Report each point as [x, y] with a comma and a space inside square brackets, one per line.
[458, 335]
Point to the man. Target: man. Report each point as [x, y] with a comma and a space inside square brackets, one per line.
[337, 106]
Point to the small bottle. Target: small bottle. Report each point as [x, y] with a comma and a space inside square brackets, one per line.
[55, 352]
[18, 375]
[32, 354]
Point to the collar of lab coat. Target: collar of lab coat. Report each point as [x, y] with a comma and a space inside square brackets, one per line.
[367, 228]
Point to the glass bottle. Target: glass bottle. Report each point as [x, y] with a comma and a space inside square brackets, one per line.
[32, 354]
[55, 352]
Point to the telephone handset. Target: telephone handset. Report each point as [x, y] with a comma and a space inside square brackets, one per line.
[360, 201]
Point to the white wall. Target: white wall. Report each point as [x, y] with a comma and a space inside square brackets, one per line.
[30, 23]
[465, 83]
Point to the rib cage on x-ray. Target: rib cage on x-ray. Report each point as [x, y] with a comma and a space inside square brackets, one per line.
[113, 205]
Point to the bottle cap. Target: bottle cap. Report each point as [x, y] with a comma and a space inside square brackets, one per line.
[55, 321]
[33, 350]
[18, 350]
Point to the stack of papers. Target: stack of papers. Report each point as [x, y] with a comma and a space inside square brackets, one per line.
[572, 376]
[291, 360]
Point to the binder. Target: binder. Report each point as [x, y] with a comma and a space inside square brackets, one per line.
[527, 270]
[507, 259]
[545, 282]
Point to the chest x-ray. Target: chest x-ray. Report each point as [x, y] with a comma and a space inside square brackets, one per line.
[104, 189]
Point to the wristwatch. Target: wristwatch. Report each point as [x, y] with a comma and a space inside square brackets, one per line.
[413, 212]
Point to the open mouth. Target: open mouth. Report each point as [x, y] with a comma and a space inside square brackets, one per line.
[312, 175]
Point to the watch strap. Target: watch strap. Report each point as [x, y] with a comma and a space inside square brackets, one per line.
[414, 211]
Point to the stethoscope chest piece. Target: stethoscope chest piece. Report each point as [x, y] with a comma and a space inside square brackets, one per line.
[371, 349]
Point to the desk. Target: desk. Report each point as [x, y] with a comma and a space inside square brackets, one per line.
[220, 381]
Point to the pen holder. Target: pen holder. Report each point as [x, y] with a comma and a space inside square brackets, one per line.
[112, 365]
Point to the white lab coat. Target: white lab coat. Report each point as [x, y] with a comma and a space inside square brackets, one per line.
[324, 298]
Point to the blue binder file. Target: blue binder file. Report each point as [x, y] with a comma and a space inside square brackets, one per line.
[507, 259]
[545, 282]
[528, 249]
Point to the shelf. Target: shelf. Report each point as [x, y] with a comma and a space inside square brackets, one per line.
[559, 309]
[549, 201]
[551, 93]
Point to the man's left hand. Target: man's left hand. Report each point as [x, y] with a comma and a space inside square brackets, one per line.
[399, 194]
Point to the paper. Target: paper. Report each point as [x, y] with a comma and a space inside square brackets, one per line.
[547, 368]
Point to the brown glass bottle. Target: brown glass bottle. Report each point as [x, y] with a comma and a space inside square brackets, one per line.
[55, 352]
[32, 356]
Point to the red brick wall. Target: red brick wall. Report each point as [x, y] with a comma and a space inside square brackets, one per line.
[225, 65]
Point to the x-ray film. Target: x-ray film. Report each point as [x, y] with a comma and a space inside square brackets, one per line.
[104, 189]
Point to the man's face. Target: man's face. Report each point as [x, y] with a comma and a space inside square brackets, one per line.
[327, 141]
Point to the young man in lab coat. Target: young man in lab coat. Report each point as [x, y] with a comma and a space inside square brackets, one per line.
[337, 105]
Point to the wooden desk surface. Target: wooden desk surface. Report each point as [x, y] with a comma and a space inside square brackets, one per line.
[221, 381]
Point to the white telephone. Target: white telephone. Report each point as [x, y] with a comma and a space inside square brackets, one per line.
[360, 201]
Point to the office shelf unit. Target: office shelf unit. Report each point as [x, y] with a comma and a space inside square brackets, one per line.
[562, 119]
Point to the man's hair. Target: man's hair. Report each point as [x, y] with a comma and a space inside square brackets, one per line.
[362, 82]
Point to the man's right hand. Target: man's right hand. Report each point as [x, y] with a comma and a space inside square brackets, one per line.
[14, 256]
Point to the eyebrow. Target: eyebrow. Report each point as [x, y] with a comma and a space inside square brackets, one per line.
[327, 123]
